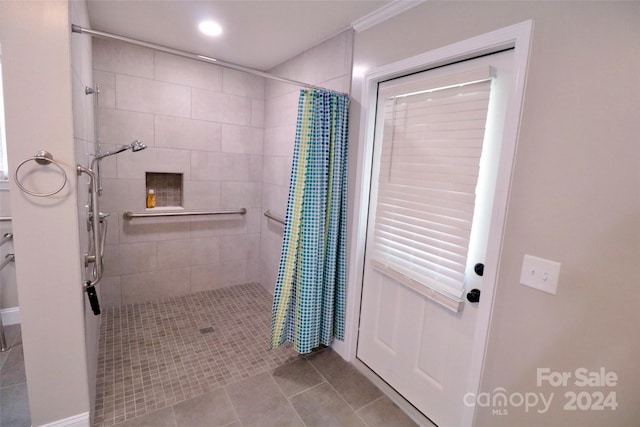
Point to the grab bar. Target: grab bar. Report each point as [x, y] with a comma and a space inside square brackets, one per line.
[5, 218]
[3, 341]
[94, 217]
[8, 259]
[130, 215]
[274, 217]
[6, 238]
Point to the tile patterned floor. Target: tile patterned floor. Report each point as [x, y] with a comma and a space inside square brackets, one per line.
[14, 402]
[160, 353]
[303, 393]
[158, 370]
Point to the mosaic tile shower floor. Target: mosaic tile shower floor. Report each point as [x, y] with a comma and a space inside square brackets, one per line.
[156, 354]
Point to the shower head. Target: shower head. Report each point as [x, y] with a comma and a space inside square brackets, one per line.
[136, 145]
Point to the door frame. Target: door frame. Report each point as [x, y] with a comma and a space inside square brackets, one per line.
[517, 37]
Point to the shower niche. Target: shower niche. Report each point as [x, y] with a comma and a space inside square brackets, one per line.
[166, 188]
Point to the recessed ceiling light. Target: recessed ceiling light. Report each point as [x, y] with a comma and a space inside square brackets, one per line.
[210, 28]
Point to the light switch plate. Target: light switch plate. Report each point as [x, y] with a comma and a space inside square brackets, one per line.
[540, 273]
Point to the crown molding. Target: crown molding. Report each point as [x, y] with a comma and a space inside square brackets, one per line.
[382, 14]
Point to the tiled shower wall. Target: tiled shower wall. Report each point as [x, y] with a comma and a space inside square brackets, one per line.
[198, 120]
[327, 64]
[84, 146]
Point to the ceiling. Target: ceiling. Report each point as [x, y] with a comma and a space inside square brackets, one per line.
[256, 33]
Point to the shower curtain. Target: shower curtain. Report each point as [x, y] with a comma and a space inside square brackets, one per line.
[309, 298]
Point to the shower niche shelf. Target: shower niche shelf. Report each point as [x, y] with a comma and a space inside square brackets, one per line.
[168, 190]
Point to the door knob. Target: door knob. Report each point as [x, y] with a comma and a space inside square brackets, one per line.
[473, 295]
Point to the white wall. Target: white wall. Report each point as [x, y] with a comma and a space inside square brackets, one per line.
[37, 83]
[575, 194]
[201, 121]
[328, 65]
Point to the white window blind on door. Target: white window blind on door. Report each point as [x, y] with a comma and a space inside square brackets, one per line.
[429, 164]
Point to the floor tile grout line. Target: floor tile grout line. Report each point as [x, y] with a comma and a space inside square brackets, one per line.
[372, 402]
[173, 412]
[336, 391]
[307, 389]
[233, 406]
[347, 403]
[359, 416]
[288, 401]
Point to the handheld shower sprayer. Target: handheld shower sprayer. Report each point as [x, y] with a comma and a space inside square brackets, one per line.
[135, 146]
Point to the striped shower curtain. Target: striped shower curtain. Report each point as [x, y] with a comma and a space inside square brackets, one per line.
[309, 299]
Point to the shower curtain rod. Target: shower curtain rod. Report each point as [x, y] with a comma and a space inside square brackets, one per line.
[81, 30]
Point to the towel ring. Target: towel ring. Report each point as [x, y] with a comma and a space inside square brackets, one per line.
[44, 158]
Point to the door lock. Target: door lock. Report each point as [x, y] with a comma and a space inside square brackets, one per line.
[473, 295]
[479, 269]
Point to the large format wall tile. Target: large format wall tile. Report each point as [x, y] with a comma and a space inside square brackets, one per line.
[154, 229]
[174, 69]
[106, 82]
[240, 194]
[120, 195]
[174, 253]
[242, 84]
[241, 139]
[277, 170]
[328, 60]
[122, 58]
[257, 113]
[188, 252]
[164, 160]
[219, 225]
[240, 247]
[210, 166]
[120, 127]
[187, 134]
[280, 140]
[155, 284]
[202, 195]
[130, 258]
[205, 251]
[253, 219]
[110, 292]
[281, 111]
[215, 276]
[221, 107]
[150, 96]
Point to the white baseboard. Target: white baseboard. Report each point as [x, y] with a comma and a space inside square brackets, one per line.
[339, 347]
[10, 316]
[80, 420]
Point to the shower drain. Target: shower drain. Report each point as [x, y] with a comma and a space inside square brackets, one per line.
[207, 330]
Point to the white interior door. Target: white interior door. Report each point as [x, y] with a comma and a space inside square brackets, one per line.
[417, 329]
